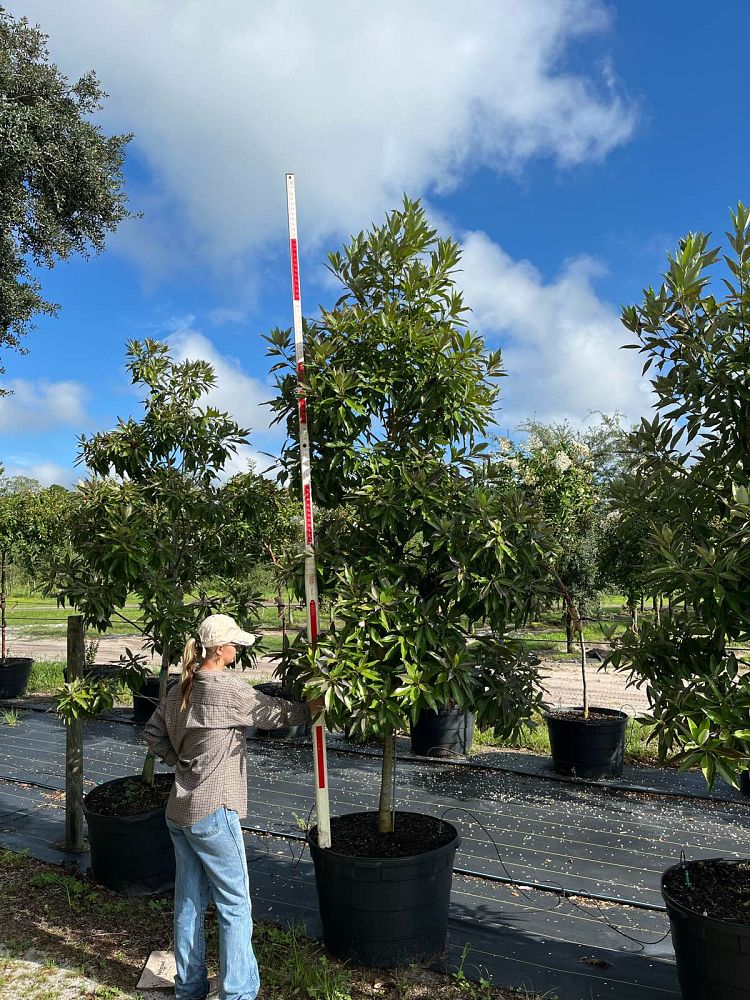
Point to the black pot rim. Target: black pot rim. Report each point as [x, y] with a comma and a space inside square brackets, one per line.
[716, 922]
[366, 862]
[137, 818]
[16, 661]
[615, 715]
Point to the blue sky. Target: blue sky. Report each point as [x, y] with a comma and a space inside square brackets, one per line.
[566, 143]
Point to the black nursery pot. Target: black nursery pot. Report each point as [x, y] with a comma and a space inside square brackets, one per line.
[146, 699]
[445, 733]
[713, 956]
[385, 912]
[588, 748]
[14, 676]
[130, 850]
[745, 783]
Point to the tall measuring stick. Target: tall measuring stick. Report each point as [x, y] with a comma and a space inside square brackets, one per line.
[311, 578]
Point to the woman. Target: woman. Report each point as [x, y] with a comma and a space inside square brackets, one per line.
[199, 729]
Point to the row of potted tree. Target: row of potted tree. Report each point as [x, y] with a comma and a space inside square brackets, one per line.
[428, 568]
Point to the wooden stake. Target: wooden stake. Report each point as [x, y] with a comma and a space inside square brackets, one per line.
[74, 742]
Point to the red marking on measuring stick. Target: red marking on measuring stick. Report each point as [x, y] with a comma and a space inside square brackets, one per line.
[295, 270]
[308, 515]
[321, 754]
[313, 622]
[311, 578]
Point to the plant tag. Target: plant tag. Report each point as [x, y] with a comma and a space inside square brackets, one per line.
[158, 972]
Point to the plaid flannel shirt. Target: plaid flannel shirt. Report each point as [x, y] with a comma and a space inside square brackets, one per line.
[205, 743]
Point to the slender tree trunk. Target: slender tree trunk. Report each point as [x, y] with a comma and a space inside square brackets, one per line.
[582, 644]
[569, 634]
[657, 610]
[74, 741]
[149, 764]
[670, 606]
[385, 805]
[3, 621]
[643, 604]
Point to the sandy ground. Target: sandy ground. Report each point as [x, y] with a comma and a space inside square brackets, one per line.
[607, 689]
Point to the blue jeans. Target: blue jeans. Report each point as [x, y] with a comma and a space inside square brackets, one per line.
[210, 862]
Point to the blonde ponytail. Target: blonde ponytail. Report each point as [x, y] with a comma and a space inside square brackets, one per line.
[190, 662]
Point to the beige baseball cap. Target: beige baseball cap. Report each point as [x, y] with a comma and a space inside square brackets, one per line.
[216, 630]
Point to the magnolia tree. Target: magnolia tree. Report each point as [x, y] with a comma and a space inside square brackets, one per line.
[695, 463]
[152, 521]
[556, 469]
[413, 550]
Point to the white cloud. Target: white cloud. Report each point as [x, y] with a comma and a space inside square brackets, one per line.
[46, 473]
[38, 405]
[561, 343]
[362, 100]
[236, 392]
[245, 459]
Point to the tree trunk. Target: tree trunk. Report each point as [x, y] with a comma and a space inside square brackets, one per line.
[582, 644]
[385, 805]
[657, 610]
[3, 622]
[569, 636]
[149, 764]
[670, 606]
[633, 609]
[643, 607]
[74, 741]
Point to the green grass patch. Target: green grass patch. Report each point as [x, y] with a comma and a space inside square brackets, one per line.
[46, 676]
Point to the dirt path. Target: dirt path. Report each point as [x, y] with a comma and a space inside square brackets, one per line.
[607, 689]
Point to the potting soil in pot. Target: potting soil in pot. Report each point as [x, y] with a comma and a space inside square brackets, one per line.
[577, 713]
[130, 798]
[356, 835]
[714, 890]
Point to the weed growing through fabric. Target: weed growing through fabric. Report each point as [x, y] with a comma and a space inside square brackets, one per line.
[10, 717]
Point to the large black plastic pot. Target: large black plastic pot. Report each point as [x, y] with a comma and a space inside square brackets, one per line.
[713, 956]
[745, 783]
[126, 850]
[445, 733]
[146, 699]
[588, 748]
[14, 676]
[385, 912]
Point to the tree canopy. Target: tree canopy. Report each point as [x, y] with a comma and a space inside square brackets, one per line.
[61, 184]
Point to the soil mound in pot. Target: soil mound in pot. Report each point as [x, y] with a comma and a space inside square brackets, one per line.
[130, 798]
[717, 889]
[595, 715]
[356, 835]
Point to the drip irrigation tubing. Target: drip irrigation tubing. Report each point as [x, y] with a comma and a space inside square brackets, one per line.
[609, 786]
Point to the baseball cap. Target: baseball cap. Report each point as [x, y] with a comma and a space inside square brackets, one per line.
[216, 630]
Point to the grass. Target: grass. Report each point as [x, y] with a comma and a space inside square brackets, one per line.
[64, 937]
[638, 751]
[40, 618]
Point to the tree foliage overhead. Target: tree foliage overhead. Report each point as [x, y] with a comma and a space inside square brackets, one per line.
[61, 185]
